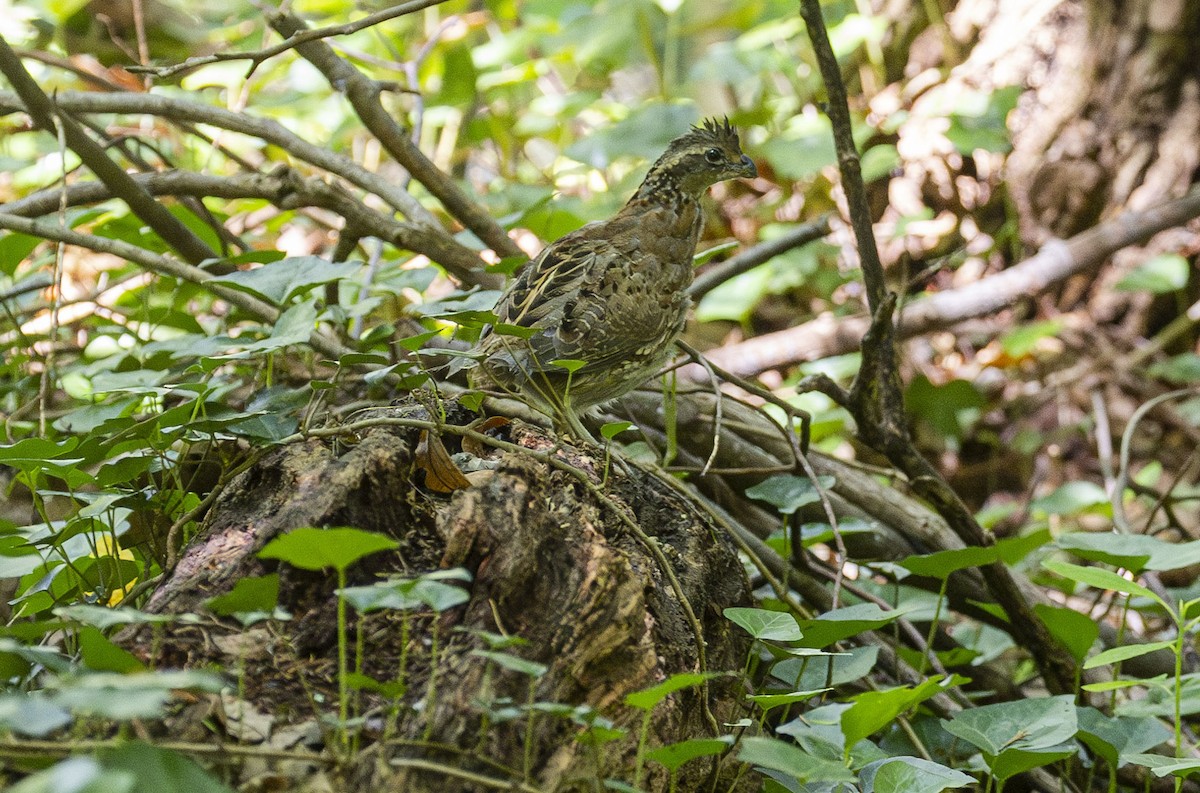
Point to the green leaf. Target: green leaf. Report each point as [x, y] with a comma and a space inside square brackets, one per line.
[770, 701]
[277, 281]
[471, 400]
[159, 769]
[570, 364]
[941, 564]
[78, 774]
[787, 493]
[1118, 654]
[1014, 549]
[1116, 685]
[405, 594]
[879, 161]
[674, 755]
[1135, 552]
[41, 656]
[1165, 766]
[778, 755]
[14, 248]
[31, 714]
[549, 220]
[100, 654]
[1113, 737]
[1077, 632]
[105, 618]
[647, 698]
[614, 428]
[512, 663]
[644, 133]
[979, 120]
[414, 343]
[1100, 579]
[1072, 498]
[317, 549]
[1167, 272]
[765, 625]
[801, 152]
[516, 331]
[1183, 369]
[1025, 724]
[34, 454]
[833, 626]
[910, 775]
[833, 670]
[1021, 341]
[874, 710]
[950, 408]
[294, 326]
[702, 257]
[249, 595]
[735, 299]
[141, 695]
[1011, 762]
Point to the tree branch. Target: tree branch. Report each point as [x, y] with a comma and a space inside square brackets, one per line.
[258, 56]
[750, 258]
[285, 189]
[270, 131]
[363, 95]
[827, 335]
[165, 266]
[150, 211]
[877, 402]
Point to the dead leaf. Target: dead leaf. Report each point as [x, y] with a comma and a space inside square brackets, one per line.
[441, 474]
[474, 445]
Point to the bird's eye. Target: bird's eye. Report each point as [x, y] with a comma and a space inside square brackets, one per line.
[714, 156]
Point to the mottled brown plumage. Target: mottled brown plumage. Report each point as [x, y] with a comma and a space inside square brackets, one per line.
[612, 294]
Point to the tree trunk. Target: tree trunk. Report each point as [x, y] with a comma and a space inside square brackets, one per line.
[1111, 124]
[555, 558]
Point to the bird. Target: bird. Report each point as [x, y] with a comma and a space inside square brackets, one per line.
[597, 312]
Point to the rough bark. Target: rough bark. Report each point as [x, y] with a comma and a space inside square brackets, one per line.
[555, 559]
[1110, 125]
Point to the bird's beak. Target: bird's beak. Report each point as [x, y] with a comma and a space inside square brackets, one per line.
[748, 169]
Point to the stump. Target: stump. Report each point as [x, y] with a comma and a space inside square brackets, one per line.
[558, 555]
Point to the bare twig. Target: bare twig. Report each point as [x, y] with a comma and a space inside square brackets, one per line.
[177, 110]
[163, 265]
[363, 95]
[759, 254]
[150, 211]
[291, 42]
[848, 161]
[34, 284]
[876, 398]
[50, 59]
[1054, 263]
[287, 190]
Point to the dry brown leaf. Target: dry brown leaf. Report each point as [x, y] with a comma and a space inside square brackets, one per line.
[441, 474]
[474, 445]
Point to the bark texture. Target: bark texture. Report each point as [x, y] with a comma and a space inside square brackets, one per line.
[555, 559]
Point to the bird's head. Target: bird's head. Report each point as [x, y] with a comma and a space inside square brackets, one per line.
[706, 154]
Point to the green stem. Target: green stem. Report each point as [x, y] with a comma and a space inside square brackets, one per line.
[937, 615]
[343, 688]
[529, 728]
[641, 750]
[431, 687]
[1181, 634]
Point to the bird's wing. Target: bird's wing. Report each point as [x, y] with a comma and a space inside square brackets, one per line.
[590, 300]
[540, 289]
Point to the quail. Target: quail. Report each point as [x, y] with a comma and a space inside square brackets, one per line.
[608, 301]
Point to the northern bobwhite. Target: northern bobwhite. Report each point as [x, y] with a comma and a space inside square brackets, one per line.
[612, 294]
